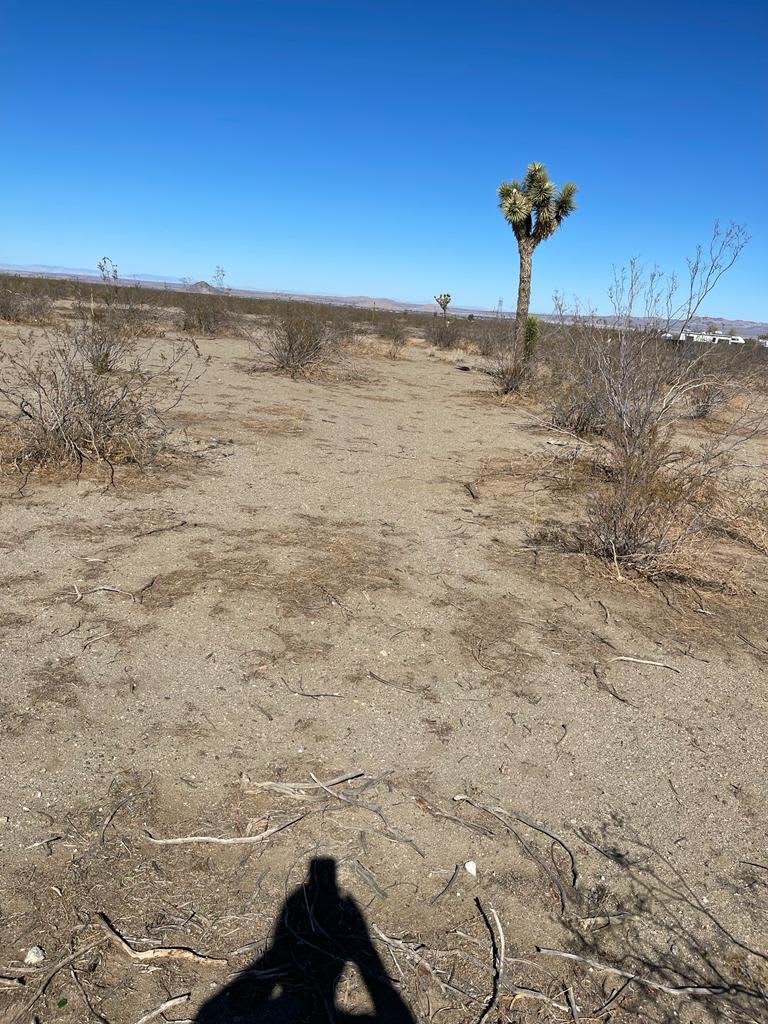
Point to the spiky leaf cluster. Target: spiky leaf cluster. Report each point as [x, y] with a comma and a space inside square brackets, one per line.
[533, 207]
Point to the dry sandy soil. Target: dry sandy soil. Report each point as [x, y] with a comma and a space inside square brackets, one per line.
[310, 591]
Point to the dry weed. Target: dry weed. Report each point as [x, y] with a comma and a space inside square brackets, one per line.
[59, 410]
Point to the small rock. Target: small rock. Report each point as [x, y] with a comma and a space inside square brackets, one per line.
[471, 867]
[34, 956]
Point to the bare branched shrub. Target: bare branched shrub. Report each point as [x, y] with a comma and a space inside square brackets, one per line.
[506, 372]
[491, 335]
[392, 329]
[102, 340]
[18, 304]
[630, 385]
[206, 314]
[300, 337]
[442, 332]
[57, 409]
[111, 316]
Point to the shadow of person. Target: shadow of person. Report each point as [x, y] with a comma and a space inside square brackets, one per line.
[295, 981]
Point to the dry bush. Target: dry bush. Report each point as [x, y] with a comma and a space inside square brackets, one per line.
[442, 332]
[301, 337]
[491, 335]
[495, 339]
[112, 314]
[19, 304]
[506, 373]
[103, 341]
[58, 410]
[741, 513]
[206, 314]
[630, 386]
[648, 514]
[392, 329]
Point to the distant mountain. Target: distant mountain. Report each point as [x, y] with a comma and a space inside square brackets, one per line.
[746, 328]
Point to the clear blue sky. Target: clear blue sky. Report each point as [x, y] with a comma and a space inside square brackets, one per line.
[355, 146]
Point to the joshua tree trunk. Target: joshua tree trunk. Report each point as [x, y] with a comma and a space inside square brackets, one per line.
[523, 297]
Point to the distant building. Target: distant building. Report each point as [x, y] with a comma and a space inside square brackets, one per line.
[709, 339]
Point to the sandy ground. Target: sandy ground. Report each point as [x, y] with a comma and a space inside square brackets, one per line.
[315, 593]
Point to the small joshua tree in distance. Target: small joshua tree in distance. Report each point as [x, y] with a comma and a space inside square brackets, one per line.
[443, 302]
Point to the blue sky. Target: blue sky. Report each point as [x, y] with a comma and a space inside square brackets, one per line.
[355, 146]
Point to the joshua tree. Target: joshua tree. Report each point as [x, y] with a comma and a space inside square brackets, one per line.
[534, 210]
[443, 302]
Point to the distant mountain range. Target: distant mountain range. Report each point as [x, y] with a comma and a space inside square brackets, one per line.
[745, 328]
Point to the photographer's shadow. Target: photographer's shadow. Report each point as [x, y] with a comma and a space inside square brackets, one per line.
[295, 981]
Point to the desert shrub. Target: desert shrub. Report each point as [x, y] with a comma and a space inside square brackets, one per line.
[57, 409]
[392, 329]
[649, 510]
[491, 335]
[442, 332]
[630, 386]
[707, 399]
[300, 337]
[206, 314]
[531, 339]
[506, 372]
[19, 304]
[102, 340]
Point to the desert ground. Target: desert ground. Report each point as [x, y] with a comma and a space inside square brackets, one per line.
[336, 576]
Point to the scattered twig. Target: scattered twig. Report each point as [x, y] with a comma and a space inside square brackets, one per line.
[301, 692]
[644, 661]
[393, 833]
[473, 491]
[147, 586]
[154, 1014]
[599, 673]
[296, 789]
[367, 876]
[8, 982]
[499, 951]
[47, 843]
[119, 806]
[23, 1011]
[480, 830]
[500, 814]
[447, 886]
[96, 1013]
[760, 650]
[157, 952]
[101, 636]
[572, 1006]
[537, 828]
[97, 590]
[236, 840]
[389, 682]
[74, 629]
[674, 990]
[754, 864]
[605, 612]
[424, 964]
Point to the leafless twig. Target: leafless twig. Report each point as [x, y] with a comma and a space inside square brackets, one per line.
[499, 952]
[236, 840]
[643, 661]
[157, 952]
[159, 1010]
